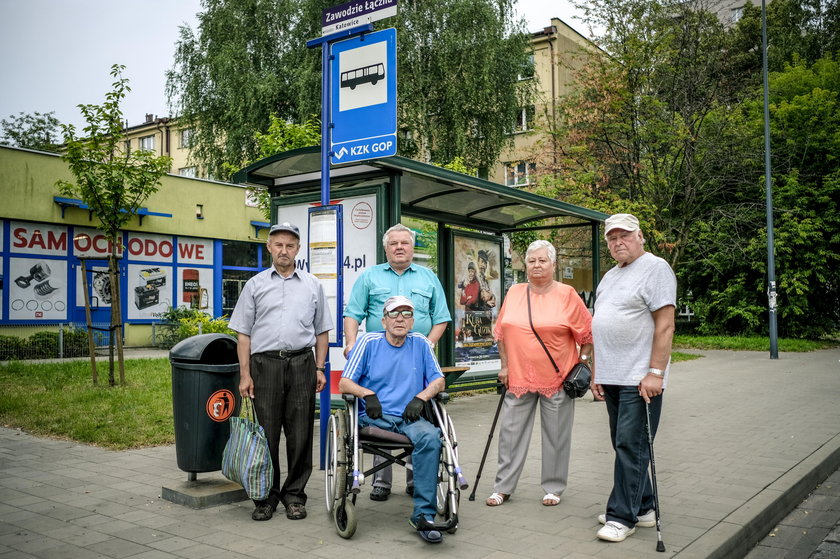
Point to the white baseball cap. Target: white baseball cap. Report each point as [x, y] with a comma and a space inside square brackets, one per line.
[625, 222]
[398, 301]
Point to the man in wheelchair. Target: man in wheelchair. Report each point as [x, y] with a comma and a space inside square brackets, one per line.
[394, 373]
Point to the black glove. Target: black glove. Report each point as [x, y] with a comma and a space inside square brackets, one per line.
[372, 406]
[413, 409]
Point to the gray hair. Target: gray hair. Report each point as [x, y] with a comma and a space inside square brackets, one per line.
[395, 228]
[540, 244]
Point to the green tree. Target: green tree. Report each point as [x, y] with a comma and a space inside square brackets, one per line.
[33, 131]
[729, 269]
[283, 136]
[648, 126]
[458, 60]
[112, 181]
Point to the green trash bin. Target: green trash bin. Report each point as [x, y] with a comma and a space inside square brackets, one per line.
[205, 388]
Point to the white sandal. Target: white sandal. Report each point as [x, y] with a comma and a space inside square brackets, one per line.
[553, 500]
[496, 499]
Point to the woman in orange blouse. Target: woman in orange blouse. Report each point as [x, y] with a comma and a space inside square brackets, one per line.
[563, 323]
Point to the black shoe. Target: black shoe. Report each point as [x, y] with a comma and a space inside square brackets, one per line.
[380, 494]
[263, 512]
[295, 511]
[409, 490]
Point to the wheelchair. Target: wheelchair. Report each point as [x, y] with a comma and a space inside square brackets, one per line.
[347, 444]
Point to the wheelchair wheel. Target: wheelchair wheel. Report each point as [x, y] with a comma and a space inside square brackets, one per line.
[336, 459]
[344, 517]
[442, 488]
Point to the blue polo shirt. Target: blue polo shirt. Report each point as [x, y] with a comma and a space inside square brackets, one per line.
[378, 283]
[396, 374]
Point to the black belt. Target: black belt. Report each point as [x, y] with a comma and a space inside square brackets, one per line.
[286, 353]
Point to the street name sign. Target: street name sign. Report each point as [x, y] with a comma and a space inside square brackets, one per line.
[355, 13]
[363, 98]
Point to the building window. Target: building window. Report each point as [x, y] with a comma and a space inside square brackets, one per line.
[735, 14]
[190, 172]
[519, 173]
[527, 71]
[147, 143]
[525, 119]
[186, 138]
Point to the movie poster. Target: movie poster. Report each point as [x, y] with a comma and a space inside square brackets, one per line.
[478, 297]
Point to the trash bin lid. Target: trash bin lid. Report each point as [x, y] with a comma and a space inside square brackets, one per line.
[214, 349]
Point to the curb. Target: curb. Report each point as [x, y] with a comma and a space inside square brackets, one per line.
[746, 526]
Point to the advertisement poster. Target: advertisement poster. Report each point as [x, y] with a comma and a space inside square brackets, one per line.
[38, 238]
[91, 243]
[149, 291]
[478, 297]
[359, 248]
[195, 251]
[195, 287]
[2, 275]
[37, 289]
[100, 288]
[150, 247]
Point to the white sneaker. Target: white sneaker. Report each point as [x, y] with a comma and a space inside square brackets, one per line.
[647, 520]
[615, 532]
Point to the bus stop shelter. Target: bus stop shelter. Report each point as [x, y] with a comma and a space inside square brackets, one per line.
[379, 193]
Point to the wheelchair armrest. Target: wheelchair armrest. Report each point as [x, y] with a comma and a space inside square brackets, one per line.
[442, 397]
[349, 398]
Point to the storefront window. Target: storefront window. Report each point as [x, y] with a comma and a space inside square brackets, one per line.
[233, 281]
[239, 254]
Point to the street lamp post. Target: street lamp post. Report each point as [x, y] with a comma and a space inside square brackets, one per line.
[768, 187]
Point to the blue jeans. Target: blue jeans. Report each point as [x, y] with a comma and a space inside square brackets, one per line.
[632, 491]
[425, 459]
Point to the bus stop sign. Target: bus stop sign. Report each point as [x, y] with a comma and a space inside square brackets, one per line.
[363, 98]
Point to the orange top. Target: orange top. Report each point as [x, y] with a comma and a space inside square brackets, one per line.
[562, 321]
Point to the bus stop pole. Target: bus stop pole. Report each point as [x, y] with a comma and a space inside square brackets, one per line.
[326, 141]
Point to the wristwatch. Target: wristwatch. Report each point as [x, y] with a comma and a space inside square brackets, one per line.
[584, 358]
[322, 369]
[656, 372]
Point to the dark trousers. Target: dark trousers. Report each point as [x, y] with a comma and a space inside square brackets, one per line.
[632, 491]
[284, 401]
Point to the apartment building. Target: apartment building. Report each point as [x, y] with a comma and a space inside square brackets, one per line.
[164, 136]
[558, 52]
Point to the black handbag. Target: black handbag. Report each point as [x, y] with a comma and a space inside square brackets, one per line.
[577, 381]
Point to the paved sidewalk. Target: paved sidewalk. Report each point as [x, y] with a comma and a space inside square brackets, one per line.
[743, 440]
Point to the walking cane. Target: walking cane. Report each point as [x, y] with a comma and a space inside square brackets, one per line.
[489, 438]
[660, 545]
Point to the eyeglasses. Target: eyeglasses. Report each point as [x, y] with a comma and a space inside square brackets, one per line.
[395, 314]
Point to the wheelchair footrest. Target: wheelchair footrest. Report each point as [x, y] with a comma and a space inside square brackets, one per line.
[424, 525]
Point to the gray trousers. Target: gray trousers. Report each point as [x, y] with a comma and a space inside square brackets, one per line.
[383, 477]
[557, 414]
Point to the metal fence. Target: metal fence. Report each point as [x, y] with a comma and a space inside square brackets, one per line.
[50, 341]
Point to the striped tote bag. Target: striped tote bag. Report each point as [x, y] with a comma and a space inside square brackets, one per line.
[246, 460]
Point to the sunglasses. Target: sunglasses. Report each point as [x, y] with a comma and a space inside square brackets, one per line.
[395, 314]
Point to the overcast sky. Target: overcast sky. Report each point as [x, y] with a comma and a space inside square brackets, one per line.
[57, 54]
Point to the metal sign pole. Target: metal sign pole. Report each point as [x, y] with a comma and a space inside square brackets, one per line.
[326, 130]
[768, 187]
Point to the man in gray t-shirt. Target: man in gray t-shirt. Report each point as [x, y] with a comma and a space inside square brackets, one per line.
[633, 328]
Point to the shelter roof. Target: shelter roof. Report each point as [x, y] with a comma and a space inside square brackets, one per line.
[425, 190]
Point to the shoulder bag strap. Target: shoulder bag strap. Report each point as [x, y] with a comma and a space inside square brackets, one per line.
[556, 369]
